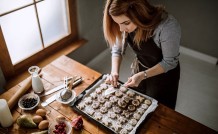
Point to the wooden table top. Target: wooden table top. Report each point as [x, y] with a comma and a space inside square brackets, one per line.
[162, 121]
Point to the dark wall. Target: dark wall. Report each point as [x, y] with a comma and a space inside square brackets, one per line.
[90, 15]
[198, 20]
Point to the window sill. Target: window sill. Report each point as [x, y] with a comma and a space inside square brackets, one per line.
[64, 51]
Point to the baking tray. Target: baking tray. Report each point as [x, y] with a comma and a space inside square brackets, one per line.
[88, 107]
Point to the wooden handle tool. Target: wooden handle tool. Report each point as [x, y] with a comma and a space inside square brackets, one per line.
[14, 99]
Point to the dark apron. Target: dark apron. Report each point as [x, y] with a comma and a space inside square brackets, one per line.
[162, 87]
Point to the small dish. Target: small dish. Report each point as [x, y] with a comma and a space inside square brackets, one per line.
[29, 101]
[68, 127]
[58, 97]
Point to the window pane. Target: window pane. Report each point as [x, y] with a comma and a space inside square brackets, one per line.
[53, 17]
[21, 33]
[8, 5]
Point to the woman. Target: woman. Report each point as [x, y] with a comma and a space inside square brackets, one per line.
[154, 35]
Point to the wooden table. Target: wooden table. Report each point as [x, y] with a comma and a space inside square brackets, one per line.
[162, 121]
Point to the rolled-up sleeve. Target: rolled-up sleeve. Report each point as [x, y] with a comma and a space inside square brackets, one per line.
[170, 42]
[116, 49]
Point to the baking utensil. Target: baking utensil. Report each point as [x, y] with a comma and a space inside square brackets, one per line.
[110, 90]
[74, 82]
[53, 90]
[53, 97]
[49, 100]
[14, 99]
[66, 101]
[66, 93]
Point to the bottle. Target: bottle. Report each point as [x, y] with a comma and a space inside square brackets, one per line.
[6, 119]
[37, 84]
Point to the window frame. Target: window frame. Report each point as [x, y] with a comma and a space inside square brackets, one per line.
[9, 70]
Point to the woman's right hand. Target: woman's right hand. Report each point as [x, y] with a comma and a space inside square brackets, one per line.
[112, 79]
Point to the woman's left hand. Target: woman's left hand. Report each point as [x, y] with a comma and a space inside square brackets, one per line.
[135, 80]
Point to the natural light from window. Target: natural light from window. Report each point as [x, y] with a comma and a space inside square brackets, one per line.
[22, 32]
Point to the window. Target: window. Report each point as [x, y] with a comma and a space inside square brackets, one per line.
[32, 29]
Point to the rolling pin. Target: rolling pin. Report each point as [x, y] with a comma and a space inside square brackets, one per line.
[14, 99]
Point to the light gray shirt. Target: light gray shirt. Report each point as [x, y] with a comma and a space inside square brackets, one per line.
[167, 37]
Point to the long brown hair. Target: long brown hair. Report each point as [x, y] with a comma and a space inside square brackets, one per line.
[140, 12]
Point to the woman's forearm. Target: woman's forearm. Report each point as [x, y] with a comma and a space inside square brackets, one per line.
[116, 61]
[155, 70]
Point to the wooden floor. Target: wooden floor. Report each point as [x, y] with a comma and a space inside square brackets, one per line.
[65, 51]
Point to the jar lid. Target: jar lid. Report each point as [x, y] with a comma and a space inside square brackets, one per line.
[33, 69]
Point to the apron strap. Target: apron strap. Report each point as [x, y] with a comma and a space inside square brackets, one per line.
[135, 66]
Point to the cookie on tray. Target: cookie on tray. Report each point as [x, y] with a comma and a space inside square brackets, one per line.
[90, 111]
[130, 93]
[133, 122]
[140, 98]
[140, 111]
[94, 95]
[148, 102]
[98, 116]
[88, 100]
[121, 103]
[113, 99]
[124, 131]
[135, 102]
[144, 106]
[106, 121]
[136, 116]
[118, 93]
[99, 90]
[131, 108]
[101, 99]
[116, 126]
[121, 119]
[128, 127]
[112, 115]
[126, 113]
[103, 110]
[116, 109]
[81, 105]
[95, 105]
[104, 86]
[108, 104]
[126, 98]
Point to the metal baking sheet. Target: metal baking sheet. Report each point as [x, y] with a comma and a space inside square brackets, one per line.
[88, 107]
